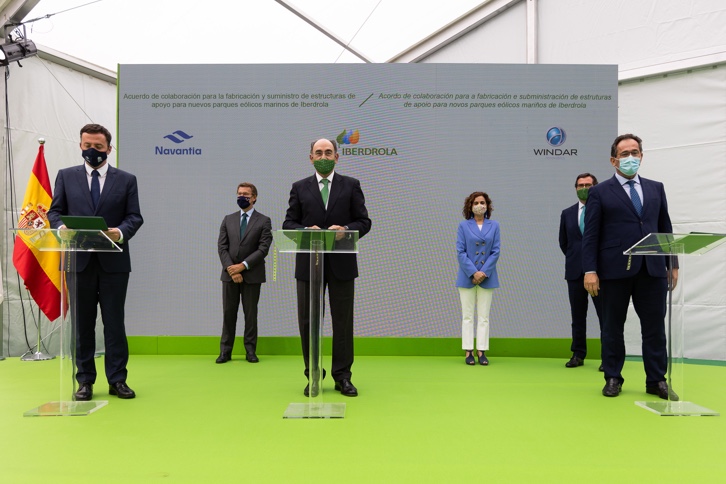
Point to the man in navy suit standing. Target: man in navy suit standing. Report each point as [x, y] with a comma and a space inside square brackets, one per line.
[572, 224]
[101, 278]
[328, 200]
[620, 212]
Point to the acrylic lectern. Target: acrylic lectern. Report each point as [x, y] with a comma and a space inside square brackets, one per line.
[675, 246]
[317, 243]
[68, 243]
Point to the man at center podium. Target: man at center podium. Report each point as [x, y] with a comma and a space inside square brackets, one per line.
[328, 200]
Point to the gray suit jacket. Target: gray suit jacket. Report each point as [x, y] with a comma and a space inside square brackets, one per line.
[252, 248]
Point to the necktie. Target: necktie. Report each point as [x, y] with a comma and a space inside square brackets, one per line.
[95, 188]
[242, 225]
[324, 191]
[635, 198]
[582, 220]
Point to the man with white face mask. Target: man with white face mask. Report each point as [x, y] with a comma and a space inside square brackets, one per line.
[620, 212]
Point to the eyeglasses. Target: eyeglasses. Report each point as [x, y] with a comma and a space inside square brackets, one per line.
[323, 153]
[584, 185]
[633, 153]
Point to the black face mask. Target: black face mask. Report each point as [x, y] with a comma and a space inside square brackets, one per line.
[243, 202]
[94, 157]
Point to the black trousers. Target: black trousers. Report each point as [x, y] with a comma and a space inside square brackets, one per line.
[232, 294]
[578, 310]
[341, 295]
[95, 287]
[649, 300]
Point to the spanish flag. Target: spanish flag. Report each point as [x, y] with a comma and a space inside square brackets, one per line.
[39, 269]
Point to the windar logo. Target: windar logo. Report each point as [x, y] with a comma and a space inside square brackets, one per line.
[178, 137]
[555, 136]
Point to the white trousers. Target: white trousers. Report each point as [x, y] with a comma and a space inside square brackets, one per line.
[481, 299]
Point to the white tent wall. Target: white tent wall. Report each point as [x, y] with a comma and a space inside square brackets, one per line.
[672, 62]
[682, 120]
[51, 101]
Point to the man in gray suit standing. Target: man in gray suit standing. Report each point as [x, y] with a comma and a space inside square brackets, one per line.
[244, 240]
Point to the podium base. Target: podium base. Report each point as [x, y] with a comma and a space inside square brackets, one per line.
[315, 410]
[66, 409]
[683, 409]
[37, 356]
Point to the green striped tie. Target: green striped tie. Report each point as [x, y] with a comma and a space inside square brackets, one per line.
[324, 191]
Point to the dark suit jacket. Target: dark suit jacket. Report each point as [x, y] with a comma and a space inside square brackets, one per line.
[118, 205]
[571, 242]
[252, 248]
[346, 206]
[612, 226]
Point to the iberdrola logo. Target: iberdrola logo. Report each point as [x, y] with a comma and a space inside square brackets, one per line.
[349, 137]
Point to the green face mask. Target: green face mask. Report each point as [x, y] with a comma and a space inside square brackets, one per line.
[324, 166]
[582, 193]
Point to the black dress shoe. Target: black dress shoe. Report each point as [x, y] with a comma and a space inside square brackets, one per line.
[84, 393]
[223, 358]
[662, 390]
[574, 362]
[252, 358]
[346, 388]
[306, 392]
[121, 389]
[600, 368]
[612, 387]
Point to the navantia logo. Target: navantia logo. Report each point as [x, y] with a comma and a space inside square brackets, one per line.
[349, 137]
[178, 137]
[556, 136]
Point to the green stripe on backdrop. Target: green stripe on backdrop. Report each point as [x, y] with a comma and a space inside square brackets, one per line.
[209, 345]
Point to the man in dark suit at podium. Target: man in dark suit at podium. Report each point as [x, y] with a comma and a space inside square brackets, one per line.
[244, 240]
[329, 201]
[101, 278]
[620, 212]
[572, 225]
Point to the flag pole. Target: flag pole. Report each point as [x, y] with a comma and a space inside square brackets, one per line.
[38, 355]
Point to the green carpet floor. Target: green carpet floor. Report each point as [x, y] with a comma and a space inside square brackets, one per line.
[417, 419]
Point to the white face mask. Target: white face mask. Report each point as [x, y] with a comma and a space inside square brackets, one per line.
[479, 209]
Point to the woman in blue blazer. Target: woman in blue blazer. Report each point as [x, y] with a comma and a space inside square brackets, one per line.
[477, 244]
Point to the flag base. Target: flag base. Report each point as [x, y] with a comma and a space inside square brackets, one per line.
[37, 356]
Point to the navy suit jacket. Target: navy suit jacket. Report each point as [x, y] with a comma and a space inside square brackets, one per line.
[571, 242]
[346, 206]
[612, 226]
[118, 205]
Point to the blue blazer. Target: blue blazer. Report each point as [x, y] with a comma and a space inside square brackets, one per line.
[571, 242]
[478, 250]
[612, 226]
[118, 205]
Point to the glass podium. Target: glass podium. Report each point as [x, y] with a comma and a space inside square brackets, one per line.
[68, 243]
[673, 246]
[316, 243]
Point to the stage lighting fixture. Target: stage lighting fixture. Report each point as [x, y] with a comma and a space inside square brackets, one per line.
[17, 50]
